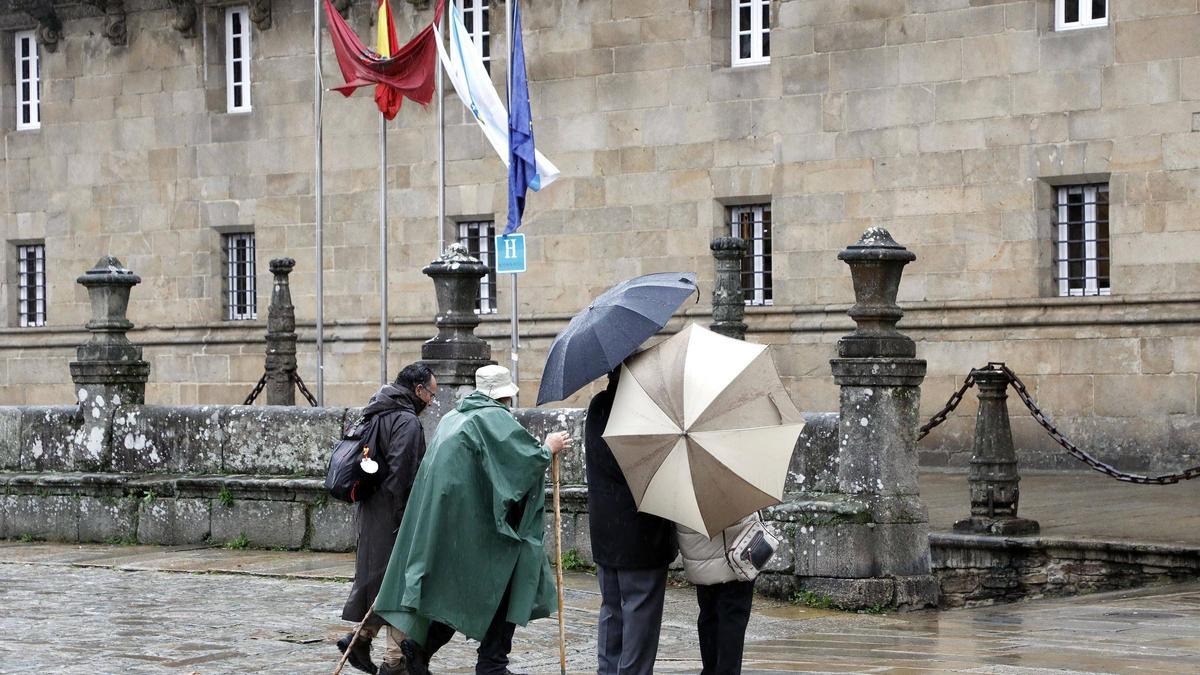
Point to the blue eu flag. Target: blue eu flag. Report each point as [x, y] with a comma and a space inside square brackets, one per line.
[522, 168]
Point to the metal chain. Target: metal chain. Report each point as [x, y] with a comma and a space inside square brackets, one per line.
[262, 382]
[312, 400]
[951, 404]
[1041, 418]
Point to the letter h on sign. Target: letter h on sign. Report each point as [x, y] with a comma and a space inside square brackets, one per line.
[510, 254]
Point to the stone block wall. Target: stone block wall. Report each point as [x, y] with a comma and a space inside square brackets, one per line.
[947, 122]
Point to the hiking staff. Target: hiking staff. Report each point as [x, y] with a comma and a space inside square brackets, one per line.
[357, 629]
[562, 629]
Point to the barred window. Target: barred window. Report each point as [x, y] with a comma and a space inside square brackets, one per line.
[753, 224]
[1072, 14]
[751, 32]
[479, 236]
[237, 59]
[28, 81]
[241, 293]
[31, 285]
[1081, 248]
[475, 17]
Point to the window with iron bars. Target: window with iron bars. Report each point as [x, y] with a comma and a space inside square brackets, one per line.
[476, 15]
[753, 224]
[31, 285]
[240, 290]
[479, 236]
[1081, 246]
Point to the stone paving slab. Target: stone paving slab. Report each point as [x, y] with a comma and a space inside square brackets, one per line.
[104, 609]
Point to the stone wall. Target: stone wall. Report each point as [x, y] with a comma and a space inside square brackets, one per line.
[946, 121]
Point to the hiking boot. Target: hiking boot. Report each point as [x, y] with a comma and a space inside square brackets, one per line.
[360, 656]
[414, 658]
[385, 669]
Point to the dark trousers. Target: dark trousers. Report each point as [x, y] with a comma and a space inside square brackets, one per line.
[631, 608]
[493, 648]
[724, 613]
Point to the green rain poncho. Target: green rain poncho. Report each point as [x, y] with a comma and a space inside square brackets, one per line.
[474, 522]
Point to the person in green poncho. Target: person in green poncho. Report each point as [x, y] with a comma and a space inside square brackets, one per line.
[469, 555]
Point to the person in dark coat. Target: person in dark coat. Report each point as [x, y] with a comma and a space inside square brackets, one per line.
[631, 550]
[396, 434]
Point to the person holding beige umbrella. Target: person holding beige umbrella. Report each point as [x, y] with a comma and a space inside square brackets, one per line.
[703, 430]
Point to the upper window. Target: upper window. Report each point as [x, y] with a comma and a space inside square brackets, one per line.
[1072, 14]
[237, 59]
[753, 224]
[479, 237]
[475, 17]
[241, 296]
[751, 32]
[28, 80]
[31, 285]
[1081, 250]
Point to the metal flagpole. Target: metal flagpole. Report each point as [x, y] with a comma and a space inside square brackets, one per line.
[318, 187]
[383, 253]
[441, 111]
[516, 340]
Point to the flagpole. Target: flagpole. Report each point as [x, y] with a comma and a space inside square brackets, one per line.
[318, 188]
[441, 111]
[383, 253]
[516, 340]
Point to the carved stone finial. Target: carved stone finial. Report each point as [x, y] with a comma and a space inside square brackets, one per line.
[281, 337]
[185, 17]
[49, 25]
[876, 266]
[729, 301]
[260, 13]
[455, 352]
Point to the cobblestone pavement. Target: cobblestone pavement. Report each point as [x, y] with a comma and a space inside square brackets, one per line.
[106, 609]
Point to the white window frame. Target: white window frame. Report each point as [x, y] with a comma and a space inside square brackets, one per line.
[246, 310]
[756, 30]
[239, 65]
[1086, 20]
[480, 13]
[759, 249]
[37, 290]
[26, 51]
[485, 235]
[1091, 271]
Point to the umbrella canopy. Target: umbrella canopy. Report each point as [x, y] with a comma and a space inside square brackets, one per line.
[600, 337]
[703, 429]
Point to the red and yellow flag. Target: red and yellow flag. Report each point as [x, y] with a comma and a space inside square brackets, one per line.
[386, 44]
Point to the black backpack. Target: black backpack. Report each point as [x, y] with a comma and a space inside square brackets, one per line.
[345, 480]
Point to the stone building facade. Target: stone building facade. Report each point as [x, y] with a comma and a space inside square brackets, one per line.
[957, 124]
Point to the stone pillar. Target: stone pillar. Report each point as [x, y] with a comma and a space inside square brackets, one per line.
[729, 303]
[878, 555]
[108, 370]
[455, 353]
[281, 337]
[994, 478]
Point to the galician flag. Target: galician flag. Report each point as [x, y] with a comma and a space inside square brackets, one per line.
[464, 66]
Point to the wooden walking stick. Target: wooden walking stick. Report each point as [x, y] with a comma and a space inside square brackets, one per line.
[358, 629]
[562, 629]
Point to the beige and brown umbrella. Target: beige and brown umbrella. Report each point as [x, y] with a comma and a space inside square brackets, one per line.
[703, 429]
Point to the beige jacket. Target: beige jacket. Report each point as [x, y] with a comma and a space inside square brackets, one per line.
[703, 558]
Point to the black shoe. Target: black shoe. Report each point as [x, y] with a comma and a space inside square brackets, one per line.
[360, 656]
[414, 658]
[385, 669]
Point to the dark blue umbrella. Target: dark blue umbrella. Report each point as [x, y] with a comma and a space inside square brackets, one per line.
[600, 337]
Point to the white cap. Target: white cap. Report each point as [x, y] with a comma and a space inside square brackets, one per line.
[495, 382]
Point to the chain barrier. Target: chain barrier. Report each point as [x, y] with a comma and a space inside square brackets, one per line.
[1044, 420]
[262, 382]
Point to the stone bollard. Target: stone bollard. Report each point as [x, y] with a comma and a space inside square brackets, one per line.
[281, 337]
[876, 552]
[994, 478]
[108, 370]
[455, 353]
[729, 303]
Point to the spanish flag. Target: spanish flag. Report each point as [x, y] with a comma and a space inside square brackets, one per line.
[386, 98]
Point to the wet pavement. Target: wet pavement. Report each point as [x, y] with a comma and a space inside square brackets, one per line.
[132, 609]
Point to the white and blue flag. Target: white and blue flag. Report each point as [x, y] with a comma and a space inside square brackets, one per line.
[464, 66]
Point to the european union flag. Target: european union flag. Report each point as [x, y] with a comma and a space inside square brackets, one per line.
[522, 167]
